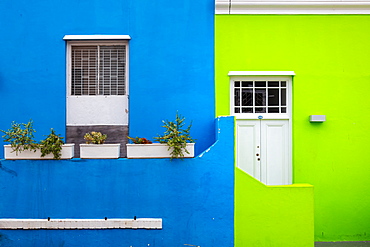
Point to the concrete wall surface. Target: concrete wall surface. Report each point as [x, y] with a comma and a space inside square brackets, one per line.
[272, 215]
[330, 57]
[171, 61]
[194, 197]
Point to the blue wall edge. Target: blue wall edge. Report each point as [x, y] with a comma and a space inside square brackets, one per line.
[194, 197]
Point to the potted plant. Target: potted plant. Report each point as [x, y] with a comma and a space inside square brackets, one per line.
[23, 146]
[176, 142]
[53, 147]
[95, 148]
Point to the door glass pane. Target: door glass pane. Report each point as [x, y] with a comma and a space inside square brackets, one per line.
[260, 110]
[283, 97]
[273, 99]
[247, 83]
[237, 97]
[273, 83]
[260, 97]
[260, 84]
[247, 110]
[273, 110]
[247, 97]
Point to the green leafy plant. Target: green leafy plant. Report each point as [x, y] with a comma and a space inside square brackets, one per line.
[176, 136]
[139, 140]
[20, 136]
[52, 144]
[95, 137]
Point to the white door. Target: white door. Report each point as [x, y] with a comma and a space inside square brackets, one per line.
[263, 150]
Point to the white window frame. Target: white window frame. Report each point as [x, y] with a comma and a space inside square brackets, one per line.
[262, 75]
[83, 109]
[93, 43]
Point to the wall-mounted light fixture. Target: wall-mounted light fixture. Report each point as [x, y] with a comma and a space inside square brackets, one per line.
[317, 118]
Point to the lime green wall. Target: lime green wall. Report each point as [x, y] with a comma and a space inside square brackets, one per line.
[272, 215]
[331, 58]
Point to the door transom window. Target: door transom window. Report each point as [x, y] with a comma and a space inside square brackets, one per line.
[260, 96]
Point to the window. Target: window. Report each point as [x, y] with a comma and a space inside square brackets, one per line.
[260, 96]
[98, 69]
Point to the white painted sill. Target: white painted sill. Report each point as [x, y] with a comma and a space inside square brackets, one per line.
[70, 224]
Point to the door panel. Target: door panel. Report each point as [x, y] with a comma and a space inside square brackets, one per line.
[248, 140]
[263, 150]
[275, 152]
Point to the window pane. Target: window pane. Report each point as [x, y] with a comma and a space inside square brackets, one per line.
[237, 97]
[260, 110]
[247, 97]
[112, 70]
[283, 97]
[273, 84]
[247, 83]
[84, 70]
[237, 110]
[260, 97]
[247, 110]
[237, 84]
[260, 84]
[273, 110]
[273, 99]
[283, 83]
[283, 109]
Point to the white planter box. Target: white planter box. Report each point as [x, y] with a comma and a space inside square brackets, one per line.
[68, 151]
[155, 150]
[99, 151]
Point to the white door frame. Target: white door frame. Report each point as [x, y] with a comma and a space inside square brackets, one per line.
[242, 119]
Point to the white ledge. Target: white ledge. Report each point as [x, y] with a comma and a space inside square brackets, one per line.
[39, 224]
[260, 73]
[292, 7]
[96, 37]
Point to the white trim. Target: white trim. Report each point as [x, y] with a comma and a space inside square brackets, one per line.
[35, 224]
[87, 105]
[96, 37]
[260, 73]
[266, 76]
[291, 7]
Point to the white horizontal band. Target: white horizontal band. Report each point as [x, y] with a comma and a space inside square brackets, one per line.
[292, 7]
[39, 224]
[258, 73]
[96, 37]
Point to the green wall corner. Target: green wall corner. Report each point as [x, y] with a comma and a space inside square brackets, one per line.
[272, 215]
[330, 57]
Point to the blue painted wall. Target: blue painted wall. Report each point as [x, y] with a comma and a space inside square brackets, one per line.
[171, 60]
[194, 197]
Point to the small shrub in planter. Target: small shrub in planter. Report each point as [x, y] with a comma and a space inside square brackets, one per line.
[140, 140]
[20, 136]
[95, 147]
[23, 146]
[95, 137]
[176, 136]
[52, 144]
[175, 143]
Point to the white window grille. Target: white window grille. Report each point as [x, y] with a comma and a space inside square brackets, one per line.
[260, 96]
[98, 69]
